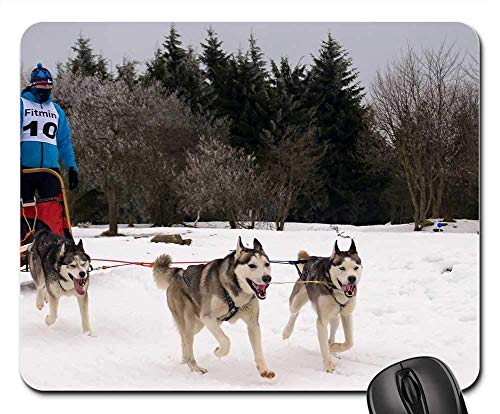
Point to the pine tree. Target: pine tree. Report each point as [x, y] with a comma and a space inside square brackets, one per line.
[213, 57]
[177, 70]
[174, 56]
[257, 65]
[216, 73]
[127, 72]
[191, 85]
[288, 86]
[336, 95]
[248, 99]
[85, 62]
[102, 69]
[155, 69]
[291, 129]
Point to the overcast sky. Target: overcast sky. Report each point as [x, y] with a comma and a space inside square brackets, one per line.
[371, 45]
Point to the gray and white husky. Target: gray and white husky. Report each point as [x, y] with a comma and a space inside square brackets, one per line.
[206, 295]
[59, 267]
[332, 294]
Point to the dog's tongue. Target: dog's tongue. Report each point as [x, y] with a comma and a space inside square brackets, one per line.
[349, 289]
[262, 289]
[79, 289]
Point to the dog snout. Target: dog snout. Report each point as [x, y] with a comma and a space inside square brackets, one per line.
[351, 279]
[82, 274]
[266, 279]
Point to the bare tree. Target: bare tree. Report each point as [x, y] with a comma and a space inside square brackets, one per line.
[153, 175]
[415, 103]
[463, 181]
[106, 135]
[472, 68]
[220, 179]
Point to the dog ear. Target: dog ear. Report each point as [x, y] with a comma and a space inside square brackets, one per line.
[239, 247]
[352, 249]
[257, 246]
[63, 249]
[80, 244]
[336, 249]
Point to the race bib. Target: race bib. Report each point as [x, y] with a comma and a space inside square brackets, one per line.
[40, 122]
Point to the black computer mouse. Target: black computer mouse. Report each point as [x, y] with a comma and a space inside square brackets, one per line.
[422, 385]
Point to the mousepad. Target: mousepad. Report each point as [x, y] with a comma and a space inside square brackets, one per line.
[270, 144]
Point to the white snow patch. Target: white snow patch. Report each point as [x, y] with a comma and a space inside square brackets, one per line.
[409, 304]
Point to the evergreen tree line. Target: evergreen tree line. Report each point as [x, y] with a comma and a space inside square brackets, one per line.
[222, 136]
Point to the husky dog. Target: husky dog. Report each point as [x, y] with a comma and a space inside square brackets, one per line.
[332, 295]
[59, 267]
[209, 294]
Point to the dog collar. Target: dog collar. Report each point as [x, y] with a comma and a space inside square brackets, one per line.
[332, 288]
[66, 280]
[61, 286]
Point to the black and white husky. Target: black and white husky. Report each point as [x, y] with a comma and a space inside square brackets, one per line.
[206, 295]
[332, 294]
[59, 267]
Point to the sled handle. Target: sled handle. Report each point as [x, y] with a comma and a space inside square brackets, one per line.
[63, 190]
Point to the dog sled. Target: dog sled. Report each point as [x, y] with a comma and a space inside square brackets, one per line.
[49, 213]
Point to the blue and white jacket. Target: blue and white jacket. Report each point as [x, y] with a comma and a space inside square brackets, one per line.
[38, 154]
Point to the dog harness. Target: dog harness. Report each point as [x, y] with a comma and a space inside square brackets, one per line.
[230, 303]
[184, 278]
[330, 286]
[233, 309]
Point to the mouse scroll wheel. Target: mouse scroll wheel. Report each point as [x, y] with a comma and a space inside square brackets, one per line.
[411, 390]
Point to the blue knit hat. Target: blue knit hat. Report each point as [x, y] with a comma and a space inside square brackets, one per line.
[40, 75]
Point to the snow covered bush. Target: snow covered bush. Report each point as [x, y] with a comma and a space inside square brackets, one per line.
[220, 179]
[129, 140]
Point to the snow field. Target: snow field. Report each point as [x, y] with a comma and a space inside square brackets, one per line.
[419, 295]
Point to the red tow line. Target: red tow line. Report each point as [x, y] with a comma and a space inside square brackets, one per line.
[127, 263]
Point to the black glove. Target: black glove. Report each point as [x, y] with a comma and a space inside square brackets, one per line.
[73, 178]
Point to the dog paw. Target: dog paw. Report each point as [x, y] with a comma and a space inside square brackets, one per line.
[196, 368]
[267, 374]
[40, 305]
[221, 351]
[329, 366]
[286, 334]
[338, 347]
[49, 320]
[89, 332]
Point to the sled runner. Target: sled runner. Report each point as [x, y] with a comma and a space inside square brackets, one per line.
[49, 213]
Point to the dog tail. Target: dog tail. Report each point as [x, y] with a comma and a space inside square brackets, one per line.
[302, 255]
[162, 272]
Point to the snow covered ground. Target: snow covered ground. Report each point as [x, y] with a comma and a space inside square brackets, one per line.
[419, 295]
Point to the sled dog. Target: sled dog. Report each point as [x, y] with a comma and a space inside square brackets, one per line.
[206, 295]
[333, 299]
[60, 267]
